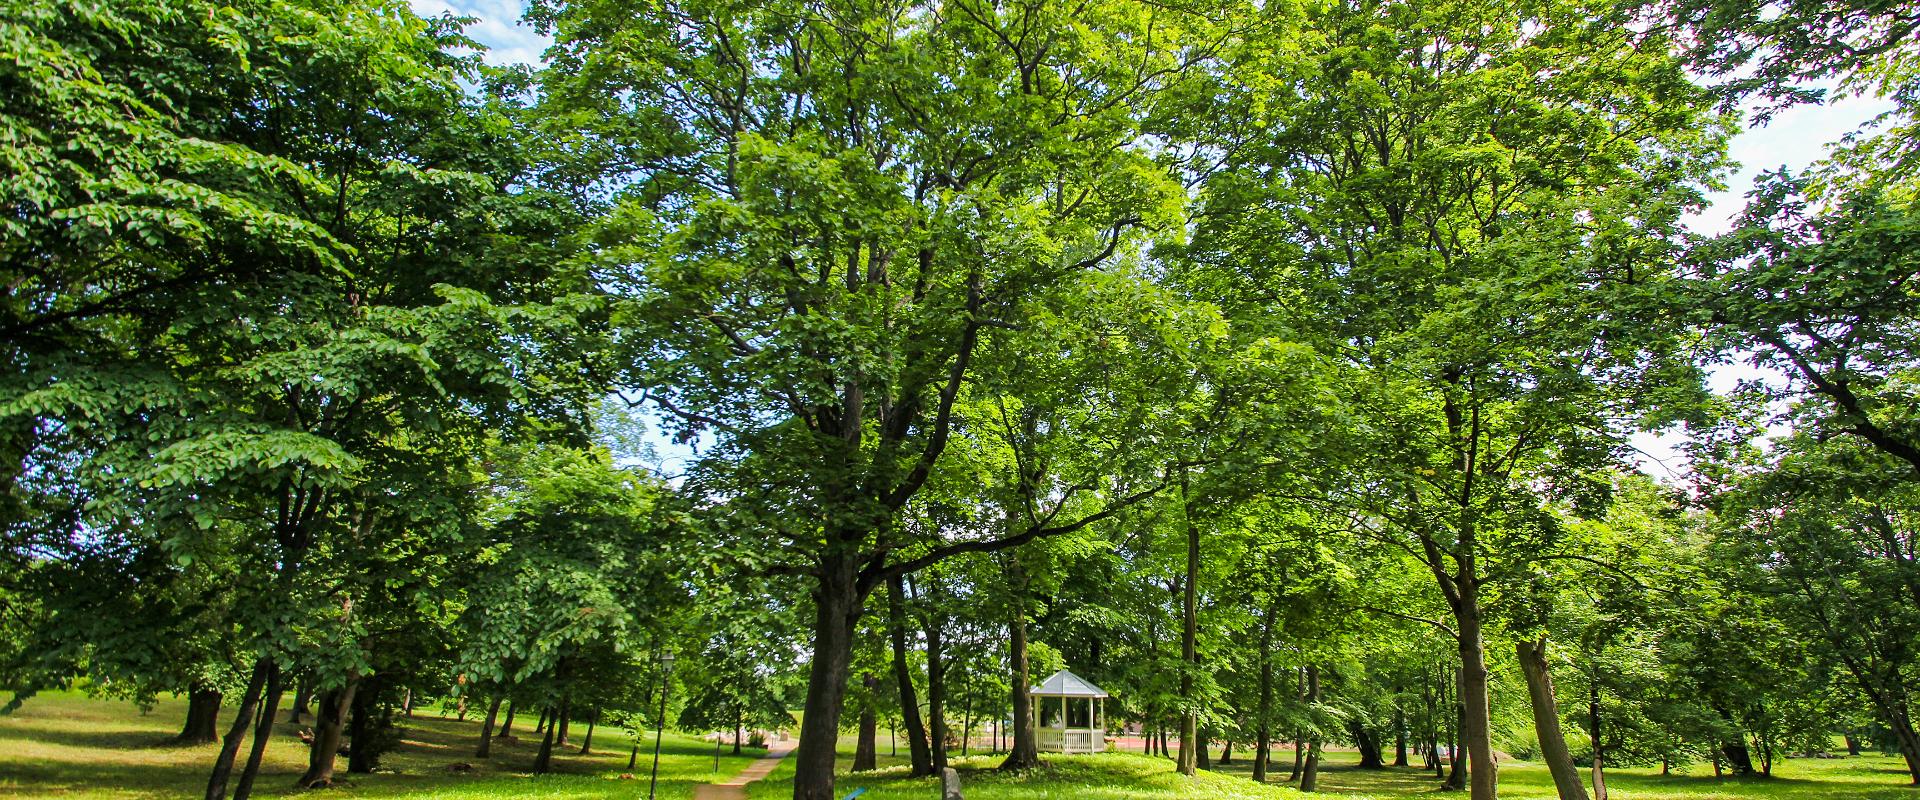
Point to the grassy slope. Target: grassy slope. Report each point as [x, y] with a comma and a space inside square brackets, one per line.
[64, 746]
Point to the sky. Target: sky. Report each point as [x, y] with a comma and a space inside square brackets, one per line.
[1794, 139]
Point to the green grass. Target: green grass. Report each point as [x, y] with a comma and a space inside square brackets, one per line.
[66, 746]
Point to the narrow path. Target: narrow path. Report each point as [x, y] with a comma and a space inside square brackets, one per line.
[736, 787]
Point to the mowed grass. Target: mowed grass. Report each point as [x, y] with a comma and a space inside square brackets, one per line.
[62, 745]
[1131, 776]
[65, 746]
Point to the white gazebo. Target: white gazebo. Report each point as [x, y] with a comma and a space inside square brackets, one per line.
[1075, 725]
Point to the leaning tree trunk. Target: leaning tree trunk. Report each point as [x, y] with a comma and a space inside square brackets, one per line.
[586, 745]
[1546, 719]
[262, 732]
[506, 726]
[1025, 750]
[486, 730]
[837, 600]
[203, 716]
[543, 761]
[918, 753]
[865, 751]
[327, 727]
[230, 747]
[1368, 744]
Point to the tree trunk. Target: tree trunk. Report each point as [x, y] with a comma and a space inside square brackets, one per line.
[1310, 773]
[1368, 745]
[936, 685]
[327, 727]
[369, 715]
[543, 761]
[1025, 752]
[919, 754]
[302, 700]
[203, 716]
[506, 726]
[1477, 723]
[486, 730]
[1189, 631]
[1599, 744]
[1299, 756]
[836, 609]
[1399, 735]
[866, 756]
[230, 747]
[1263, 715]
[1546, 719]
[1457, 768]
[586, 745]
[566, 719]
[1200, 744]
[1226, 754]
[1739, 760]
[262, 733]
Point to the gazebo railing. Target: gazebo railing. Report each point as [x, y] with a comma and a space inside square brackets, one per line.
[1071, 740]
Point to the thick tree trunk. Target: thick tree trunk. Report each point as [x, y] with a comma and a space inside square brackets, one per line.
[1739, 760]
[230, 746]
[262, 733]
[566, 720]
[1546, 719]
[919, 754]
[1200, 744]
[1368, 744]
[327, 728]
[1477, 724]
[203, 716]
[836, 609]
[367, 716]
[866, 754]
[1226, 754]
[1025, 752]
[486, 730]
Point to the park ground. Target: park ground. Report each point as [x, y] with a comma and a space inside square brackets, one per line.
[63, 745]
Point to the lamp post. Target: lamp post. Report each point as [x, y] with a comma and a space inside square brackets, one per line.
[666, 675]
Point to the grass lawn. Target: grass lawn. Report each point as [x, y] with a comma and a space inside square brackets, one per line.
[66, 746]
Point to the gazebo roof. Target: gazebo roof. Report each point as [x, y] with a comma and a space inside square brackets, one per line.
[1067, 684]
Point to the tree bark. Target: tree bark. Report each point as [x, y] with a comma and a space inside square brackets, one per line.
[919, 754]
[302, 699]
[203, 716]
[506, 725]
[1599, 744]
[486, 730]
[1399, 735]
[262, 732]
[865, 751]
[230, 747]
[1263, 715]
[936, 683]
[1477, 722]
[1368, 744]
[586, 745]
[1310, 773]
[1189, 635]
[1457, 768]
[1546, 719]
[327, 728]
[1025, 751]
[367, 717]
[543, 761]
[837, 599]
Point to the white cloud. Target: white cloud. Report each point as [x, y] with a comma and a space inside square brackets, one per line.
[497, 26]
